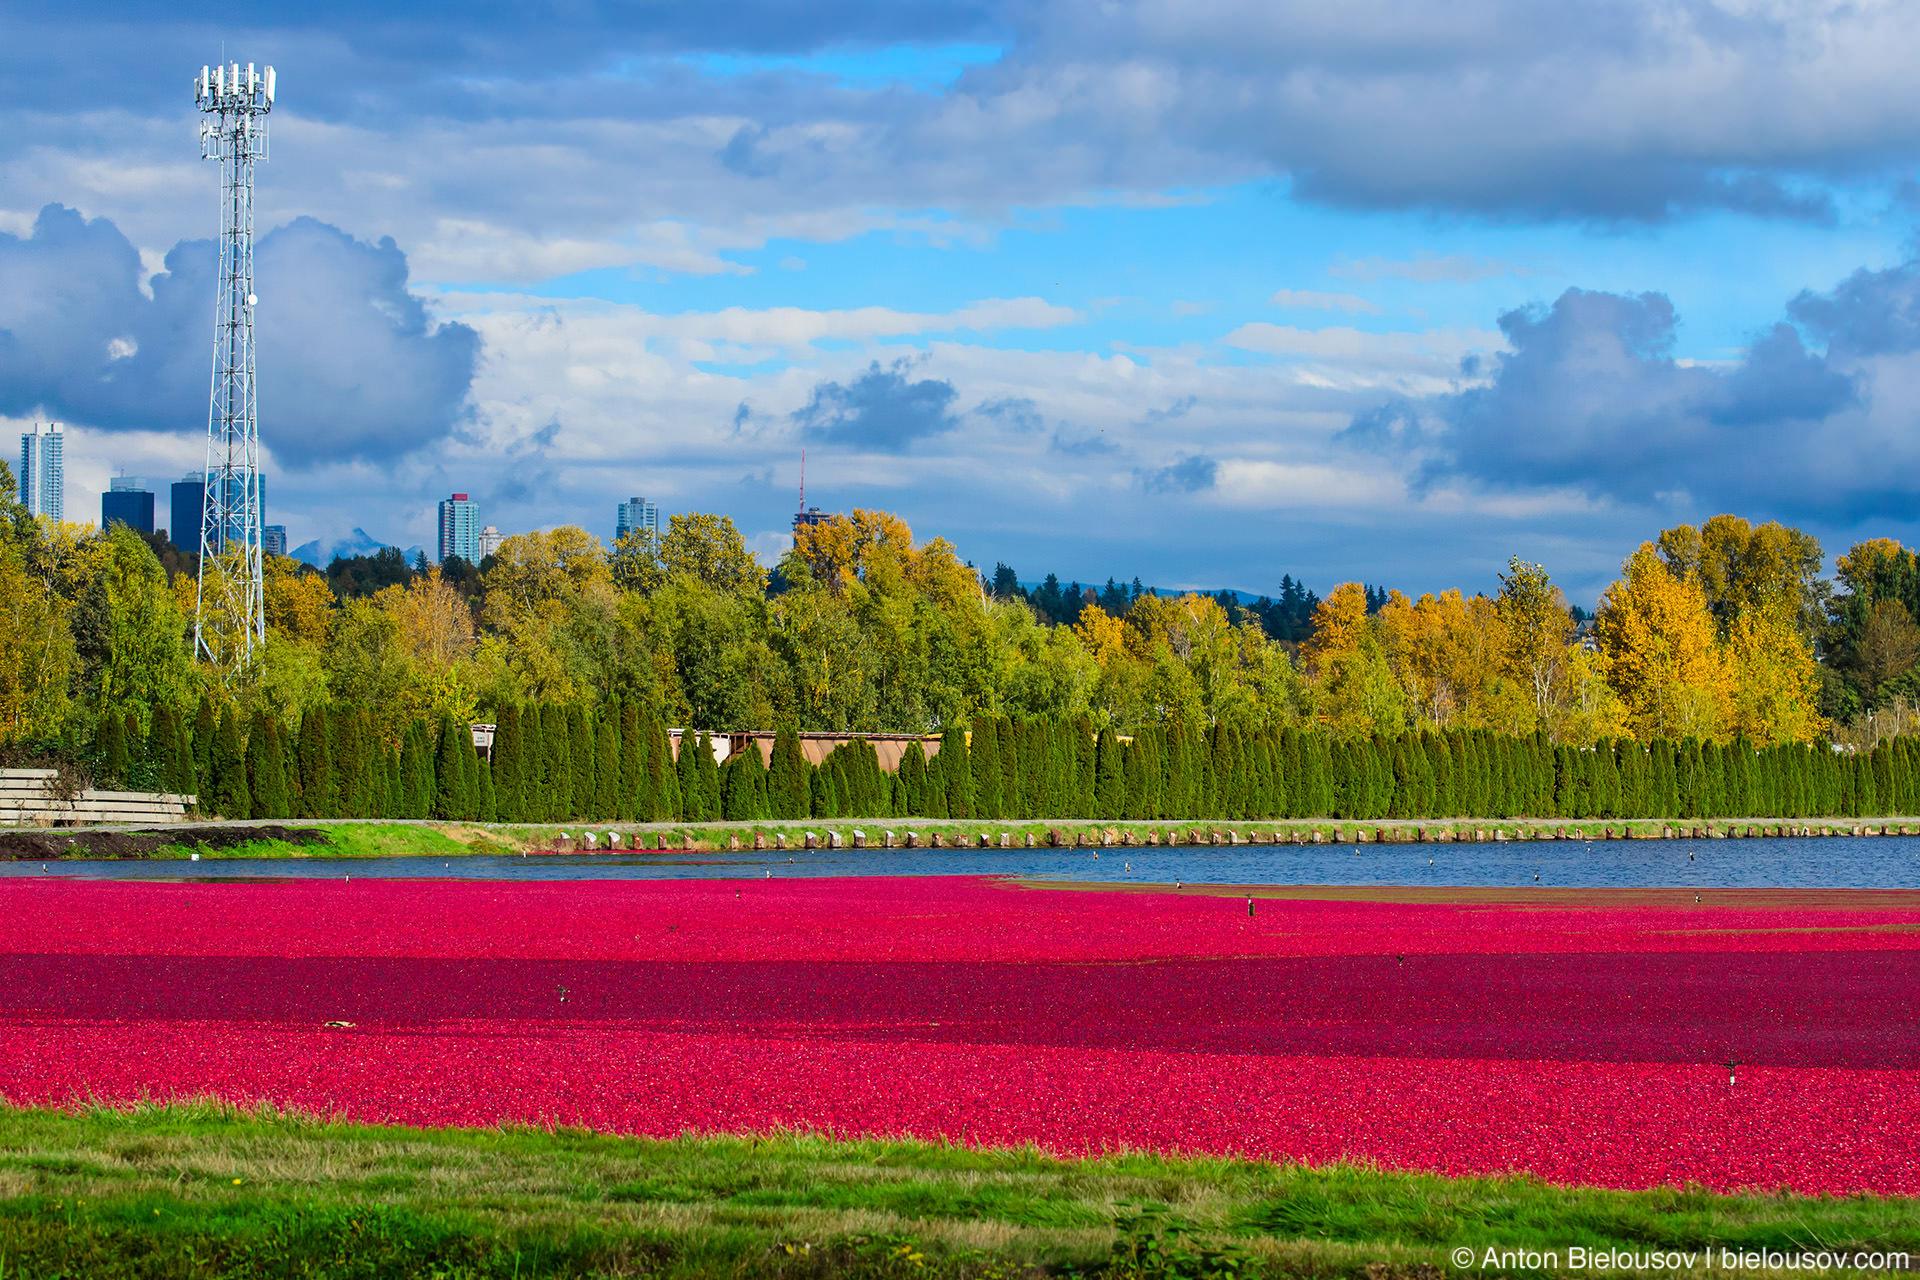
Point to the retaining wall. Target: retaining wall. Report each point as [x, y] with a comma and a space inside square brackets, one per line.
[32, 797]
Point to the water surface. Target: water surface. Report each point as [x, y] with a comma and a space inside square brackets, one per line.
[1882, 862]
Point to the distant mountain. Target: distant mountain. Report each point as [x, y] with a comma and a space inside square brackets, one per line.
[359, 543]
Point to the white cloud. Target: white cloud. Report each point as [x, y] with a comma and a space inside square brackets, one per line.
[1341, 356]
[1245, 482]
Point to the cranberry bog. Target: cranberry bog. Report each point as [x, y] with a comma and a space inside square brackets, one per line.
[1619, 1040]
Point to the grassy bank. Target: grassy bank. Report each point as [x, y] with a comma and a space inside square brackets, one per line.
[387, 839]
[392, 838]
[204, 1191]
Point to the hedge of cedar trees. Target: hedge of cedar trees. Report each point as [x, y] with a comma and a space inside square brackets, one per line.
[570, 763]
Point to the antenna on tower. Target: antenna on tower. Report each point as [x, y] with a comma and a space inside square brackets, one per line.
[803, 479]
[230, 608]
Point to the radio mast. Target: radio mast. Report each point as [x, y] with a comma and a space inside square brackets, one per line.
[230, 615]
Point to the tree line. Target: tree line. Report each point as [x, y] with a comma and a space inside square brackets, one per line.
[1721, 633]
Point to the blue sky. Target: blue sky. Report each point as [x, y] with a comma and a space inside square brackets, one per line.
[1202, 292]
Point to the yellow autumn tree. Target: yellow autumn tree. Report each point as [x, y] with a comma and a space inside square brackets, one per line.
[1776, 681]
[1658, 650]
[37, 661]
[1446, 651]
[299, 602]
[1585, 707]
[1339, 625]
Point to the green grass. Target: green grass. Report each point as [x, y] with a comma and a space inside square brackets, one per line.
[199, 1190]
[362, 840]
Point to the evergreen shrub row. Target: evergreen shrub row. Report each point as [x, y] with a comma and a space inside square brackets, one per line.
[572, 763]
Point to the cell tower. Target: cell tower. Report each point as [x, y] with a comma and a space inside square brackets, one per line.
[230, 616]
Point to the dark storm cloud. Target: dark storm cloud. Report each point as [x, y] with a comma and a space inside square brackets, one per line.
[351, 366]
[1812, 419]
[1191, 474]
[881, 411]
[1629, 111]
[365, 56]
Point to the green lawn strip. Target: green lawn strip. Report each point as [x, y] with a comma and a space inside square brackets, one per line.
[137, 1192]
[359, 840]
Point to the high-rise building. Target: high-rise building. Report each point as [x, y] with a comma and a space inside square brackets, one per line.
[636, 515]
[43, 472]
[127, 502]
[809, 517]
[490, 540]
[460, 528]
[187, 503]
[273, 540]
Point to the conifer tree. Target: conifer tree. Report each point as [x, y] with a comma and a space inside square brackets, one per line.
[506, 763]
[1133, 778]
[583, 754]
[423, 783]
[160, 742]
[787, 787]
[663, 776]
[110, 745]
[736, 789]
[686, 770]
[757, 769]
[346, 763]
[448, 777]
[487, 807]
[1109, 777]
[633, 767]
[183, 780]
[206, 723]
[984, 752]
[912, 774]
[1006, 745]
[227, 790]
[469, 757]
[556, 765]
[819, 794]
[1404, 788]
[396, 803]
[1032, 755]
[266, 778]
[934, 796]
[958, 773]
[606, 768]
[316, 764]
[708, 772]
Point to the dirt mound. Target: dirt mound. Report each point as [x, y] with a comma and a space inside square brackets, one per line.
[43, 846]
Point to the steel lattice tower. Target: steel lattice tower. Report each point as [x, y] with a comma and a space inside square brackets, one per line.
[230, 617]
